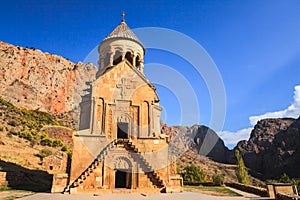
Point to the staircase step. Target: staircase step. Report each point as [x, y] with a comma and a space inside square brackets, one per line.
[145, 165]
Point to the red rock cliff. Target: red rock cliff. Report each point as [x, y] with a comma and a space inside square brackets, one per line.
[36, 80]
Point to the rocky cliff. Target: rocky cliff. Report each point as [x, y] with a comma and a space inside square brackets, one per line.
[36, 80]
[273, 148]
[196, 138]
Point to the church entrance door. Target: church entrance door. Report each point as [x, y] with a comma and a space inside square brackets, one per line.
[122, 179]
[122, 130]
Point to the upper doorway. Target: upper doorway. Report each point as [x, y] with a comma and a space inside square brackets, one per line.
[122, 130]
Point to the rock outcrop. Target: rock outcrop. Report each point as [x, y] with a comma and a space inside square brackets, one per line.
[36, 80]
[273, 148]
[196, 138]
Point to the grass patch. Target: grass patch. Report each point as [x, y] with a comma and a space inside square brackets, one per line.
[4, 189]
[211, 190]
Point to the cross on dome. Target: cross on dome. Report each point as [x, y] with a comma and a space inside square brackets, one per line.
[123, 16]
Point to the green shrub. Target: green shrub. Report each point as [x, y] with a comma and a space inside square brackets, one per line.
[218, 179]
[45, 152]
[57, 143]
[70, 153]
[1, 128]
[194, 174]
[26, 134]
[46, 142]
[285, 178]
[65, 148]
[39, 117]
[6, 103]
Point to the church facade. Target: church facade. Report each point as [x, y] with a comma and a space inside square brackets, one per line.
[119, 147]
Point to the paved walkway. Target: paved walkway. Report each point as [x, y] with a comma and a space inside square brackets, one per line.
[174, 196]
[244, 194]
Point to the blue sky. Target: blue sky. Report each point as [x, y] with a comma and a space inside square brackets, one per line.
[255, 45]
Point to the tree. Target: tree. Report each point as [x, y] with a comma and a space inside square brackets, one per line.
[218, 179]
[241, 171]
[194, 174]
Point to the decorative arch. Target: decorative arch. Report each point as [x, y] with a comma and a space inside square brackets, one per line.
[123, 163]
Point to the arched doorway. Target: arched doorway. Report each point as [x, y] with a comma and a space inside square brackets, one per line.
[123, 173]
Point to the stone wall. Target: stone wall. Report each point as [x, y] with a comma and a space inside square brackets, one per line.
[59, 183]
[3, 181]
[86, 149]
[56, 163]
[280, 196]
[18, 177]
[249, 188]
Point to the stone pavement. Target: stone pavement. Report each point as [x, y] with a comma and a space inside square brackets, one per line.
[174, 196]
[244, 194]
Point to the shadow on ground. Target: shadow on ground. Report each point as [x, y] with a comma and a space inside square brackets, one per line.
[22, 178]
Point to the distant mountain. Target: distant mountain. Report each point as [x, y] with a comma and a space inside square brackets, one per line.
[273, 148]
[196, 138]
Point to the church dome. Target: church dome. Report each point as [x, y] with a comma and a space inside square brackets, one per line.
[121, 44]
[122, 31]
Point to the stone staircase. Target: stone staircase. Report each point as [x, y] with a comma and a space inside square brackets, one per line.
[92, 167]
[135, 153]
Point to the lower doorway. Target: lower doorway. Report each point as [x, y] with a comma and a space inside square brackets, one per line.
[122, 179]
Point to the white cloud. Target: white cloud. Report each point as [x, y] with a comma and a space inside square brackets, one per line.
[232, 138]
[292, 111]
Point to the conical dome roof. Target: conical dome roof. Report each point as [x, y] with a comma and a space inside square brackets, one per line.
[122, 31]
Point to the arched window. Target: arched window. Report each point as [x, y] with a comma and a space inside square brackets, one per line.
[145, 120]
[117, 57]
[137, 61]
[123, 124]
[106, 59]
[129, 57]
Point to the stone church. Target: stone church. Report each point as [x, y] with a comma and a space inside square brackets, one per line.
[119, 146]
